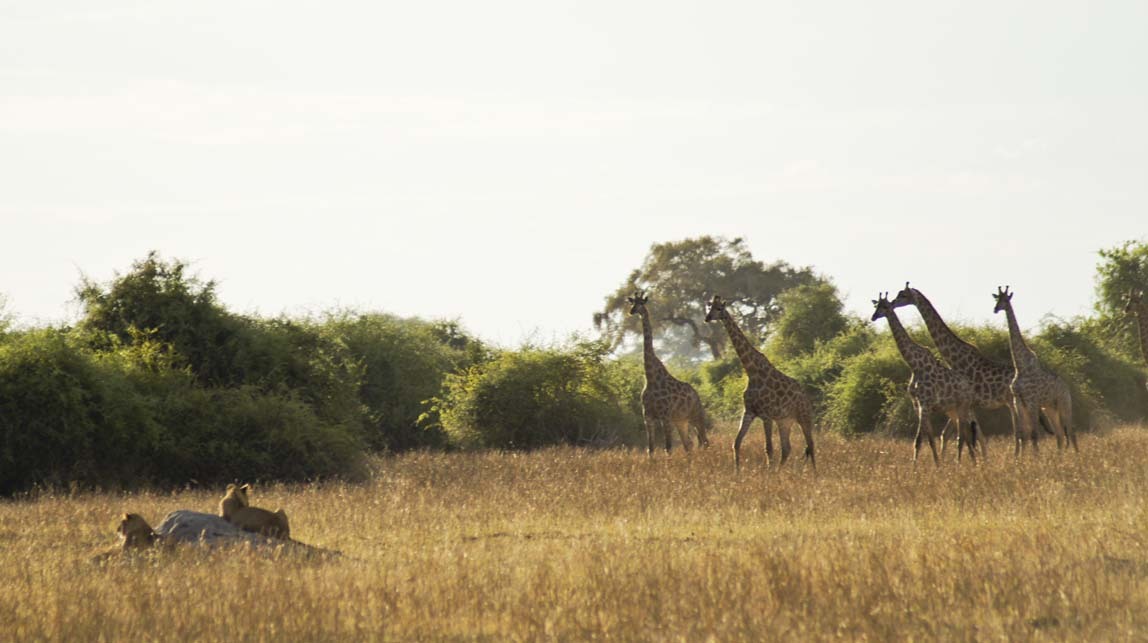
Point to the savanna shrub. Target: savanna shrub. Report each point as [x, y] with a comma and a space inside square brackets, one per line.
[1106, 386]
[870, 393]
[536, 397]
[404, 364]
[65, 415]
[720, 383]
[160, 296]
[124, 416]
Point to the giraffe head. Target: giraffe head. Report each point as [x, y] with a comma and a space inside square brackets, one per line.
[882, 306]
[717, 310]
[1132, 300]
[638, 302]
[903, 298]
[1004, 299]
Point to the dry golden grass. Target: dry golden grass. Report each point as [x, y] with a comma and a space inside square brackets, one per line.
[575, 545]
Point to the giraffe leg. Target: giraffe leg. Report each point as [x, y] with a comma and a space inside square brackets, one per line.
[806, 424]
[932, 442]
[944, 432]
[746, 420]
[1067, 419]
[783, 428]
[1026, 416]
[962, 438]
[1057, 427]
[920, 431]
[1014, 416]
[683, 428]
[979, 436]
[767, 424]
[970, 436]
[976, 436]
[1064, 414]
[667, 430]
[650, 426]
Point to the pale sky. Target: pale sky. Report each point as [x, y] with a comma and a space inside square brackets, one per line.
[509, 162]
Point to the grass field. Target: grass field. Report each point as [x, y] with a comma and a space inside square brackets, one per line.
[575, 545]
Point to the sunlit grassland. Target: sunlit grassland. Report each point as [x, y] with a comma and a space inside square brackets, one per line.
[572, 545]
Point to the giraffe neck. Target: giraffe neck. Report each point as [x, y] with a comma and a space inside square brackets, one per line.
[951, 347]
[1023, 359]
[752, 359]
[909, 349]
[655, 370]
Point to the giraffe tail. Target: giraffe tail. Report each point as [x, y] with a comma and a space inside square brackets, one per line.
[1044, 423]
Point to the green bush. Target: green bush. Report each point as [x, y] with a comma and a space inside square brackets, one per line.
[720, 383]
[404, 365]
[125, 416]
[536, 397]
[1106, 385]
[159, 296]
[871, 392]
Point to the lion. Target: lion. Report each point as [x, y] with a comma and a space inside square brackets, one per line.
[234, 500]
[262, 521]
[136, 533]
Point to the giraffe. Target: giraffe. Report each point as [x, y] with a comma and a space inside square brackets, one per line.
[666, 400]
[1135, 306]
[769, 394]
[1033, 388]
[990, 379]
[932, 386]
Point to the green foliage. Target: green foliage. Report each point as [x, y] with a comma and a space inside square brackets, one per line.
[819, 367]
[682, 275]
[5, 316]
[810, 313]
[404, 363]
[159, 384]
[720, 383]
[1121, 270]
[870, 392]
[124, 416]
[1106, 386]
[536, 397]
[159, 295]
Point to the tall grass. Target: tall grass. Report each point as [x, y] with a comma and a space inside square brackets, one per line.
[573, 544]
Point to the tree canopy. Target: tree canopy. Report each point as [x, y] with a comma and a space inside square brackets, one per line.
[1120, 270]
[682, 275]
[810, 313]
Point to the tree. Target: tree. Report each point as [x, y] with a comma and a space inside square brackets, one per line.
[183, 310]
[1121, 269]
[810, 313]
[682, 275]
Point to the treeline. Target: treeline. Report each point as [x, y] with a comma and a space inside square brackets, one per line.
[159, 384]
